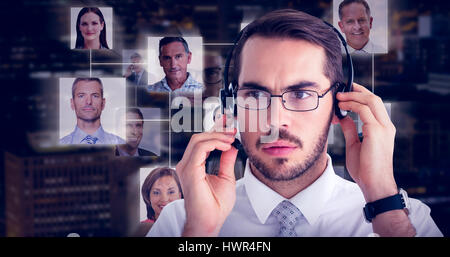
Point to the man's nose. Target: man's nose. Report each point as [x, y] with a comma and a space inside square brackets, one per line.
[133, 130]
[89, 100]
[173, 62]
[279, 116]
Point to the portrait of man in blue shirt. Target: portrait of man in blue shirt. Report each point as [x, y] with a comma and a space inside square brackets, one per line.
[88, 103]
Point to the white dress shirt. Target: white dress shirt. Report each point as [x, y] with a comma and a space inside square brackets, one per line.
[331, 206]
[369, 48]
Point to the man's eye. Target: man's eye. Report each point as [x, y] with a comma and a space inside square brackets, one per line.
[301, 95]
[255, 94]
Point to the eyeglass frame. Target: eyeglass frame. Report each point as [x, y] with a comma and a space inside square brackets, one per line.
[319, 96]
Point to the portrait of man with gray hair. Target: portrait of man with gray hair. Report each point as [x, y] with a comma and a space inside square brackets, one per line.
[174, 57]
[355, 21]
[88, 103]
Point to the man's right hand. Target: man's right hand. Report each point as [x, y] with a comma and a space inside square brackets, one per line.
[129, 71]
[208, 199]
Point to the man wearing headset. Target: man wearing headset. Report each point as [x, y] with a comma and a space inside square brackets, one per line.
[289, 187]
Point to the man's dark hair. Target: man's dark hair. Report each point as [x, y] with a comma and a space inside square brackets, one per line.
[292, 24]
[348, 2]
[136, 111]
[167, 40]
[86, 79]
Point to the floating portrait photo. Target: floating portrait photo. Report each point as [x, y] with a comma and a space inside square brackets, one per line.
[159, 186]
[364, 25]
[142, 130]
[134, 68]
[87, 110]
[191, 62]
[213, 66]
[91, 28]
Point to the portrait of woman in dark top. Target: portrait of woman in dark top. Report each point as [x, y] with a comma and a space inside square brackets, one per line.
[91, 29]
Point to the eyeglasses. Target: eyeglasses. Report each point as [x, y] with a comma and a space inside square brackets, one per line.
[293, 100]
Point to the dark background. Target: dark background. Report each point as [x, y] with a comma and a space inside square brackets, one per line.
[34, 53]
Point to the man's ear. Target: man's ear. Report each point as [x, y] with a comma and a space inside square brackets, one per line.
[160, 61]
[335, 119]
[103, 103]
[341, 26]
[370, 22]
[71, 104]
[189, 57]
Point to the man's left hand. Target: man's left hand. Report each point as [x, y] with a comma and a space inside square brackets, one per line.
[370, 162]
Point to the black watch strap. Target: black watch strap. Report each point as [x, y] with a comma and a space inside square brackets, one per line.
[395, 202]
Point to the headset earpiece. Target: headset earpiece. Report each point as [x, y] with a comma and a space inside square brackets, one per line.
[227, 99]
[340, 87]
[223, 98]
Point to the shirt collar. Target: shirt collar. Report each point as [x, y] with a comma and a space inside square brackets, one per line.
[309, 201]
[79, 135]
[188, 81]
[139, 75]
[123, 153]
[368, 48]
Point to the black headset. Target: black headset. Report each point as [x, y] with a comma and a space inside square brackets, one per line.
[228, 89]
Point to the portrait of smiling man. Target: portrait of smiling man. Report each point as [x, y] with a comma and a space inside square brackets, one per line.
[355, 21]
[88, 104]
[174, 57]
[290, 62]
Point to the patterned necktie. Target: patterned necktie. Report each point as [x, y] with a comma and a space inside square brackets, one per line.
[90, 140]
[287, 214]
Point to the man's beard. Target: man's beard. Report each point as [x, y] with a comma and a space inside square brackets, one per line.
[275, 173]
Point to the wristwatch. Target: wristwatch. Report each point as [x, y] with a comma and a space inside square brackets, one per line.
[396, 202]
